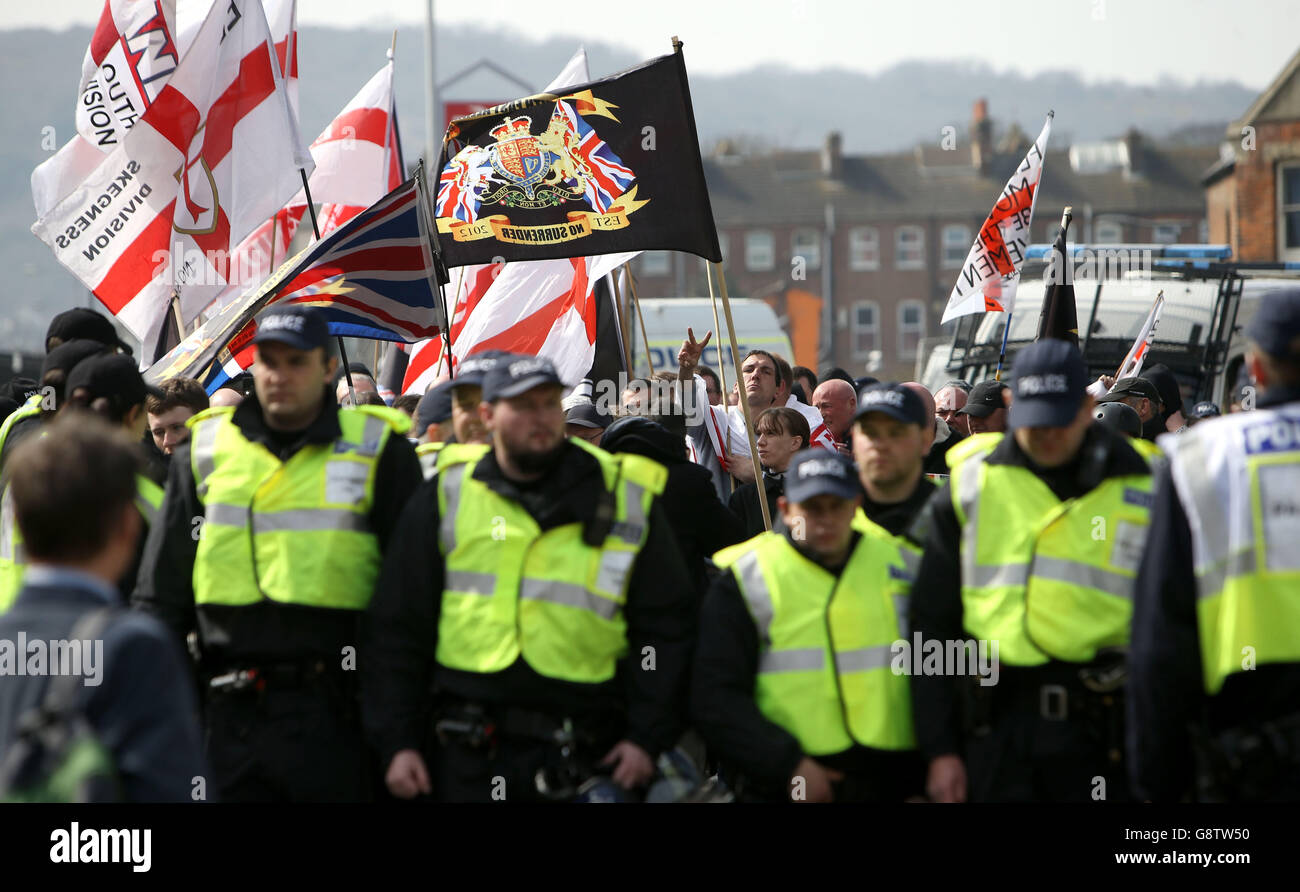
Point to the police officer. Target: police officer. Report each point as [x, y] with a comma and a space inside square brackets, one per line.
[1031, 548]
[794, 687]
[536, 585]
[433, 422]
[891, 437]
[463, 394]
[1216, 630]
[276, 517]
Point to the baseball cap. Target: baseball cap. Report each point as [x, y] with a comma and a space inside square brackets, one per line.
[434, 407]
[1205, 409]
[303, 328]
[111, 374]
[82, 322]
[586, 415]
[984, 399]
[815, 472]
[1131, 387]
[894, 400]
[514, 374]
[474, 369]
[69, 354]
[1050, 381]
[1277, 321]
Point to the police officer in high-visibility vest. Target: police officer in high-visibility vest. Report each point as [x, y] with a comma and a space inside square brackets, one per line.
[433, 425]
[275, 520]
[794, 686]
[1216, 623]
[110, 386]
[1031, 552]
[535, 584]
[891, 436]
[461, 395]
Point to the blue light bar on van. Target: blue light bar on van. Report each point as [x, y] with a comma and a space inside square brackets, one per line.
[1165, 252]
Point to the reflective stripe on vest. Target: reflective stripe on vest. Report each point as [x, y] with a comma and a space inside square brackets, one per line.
[296, 531]
[428, 453]
[1238, 480]
[827, 644]
[512, 590]
[1044, 577]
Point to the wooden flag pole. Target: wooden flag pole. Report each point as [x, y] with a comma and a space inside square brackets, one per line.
[645, 338]
[744, 403]
[343, 351]
[622, 326]
[722, 375]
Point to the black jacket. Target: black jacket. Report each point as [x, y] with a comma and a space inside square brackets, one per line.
[896, 518]
[1166, 690]
[936, 461]
[400, 628]
[701, 523]
[744, 503]
[936, 608]
[765, 754]
[143, 710]
[232, 637]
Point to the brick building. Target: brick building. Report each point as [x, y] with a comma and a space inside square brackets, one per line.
[1252, 196]
[885, 235]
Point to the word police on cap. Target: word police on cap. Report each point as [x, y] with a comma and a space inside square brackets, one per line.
[1031, 385]
[528, 367]
[281, 321]
[889, 397]
[822, 468]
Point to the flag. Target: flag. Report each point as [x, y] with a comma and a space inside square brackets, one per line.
[988, 278]
[610, 166]
[358, 161]
[1060, 316]
[373, 277]
[215, 155]
[131, 55]
[1137, 354]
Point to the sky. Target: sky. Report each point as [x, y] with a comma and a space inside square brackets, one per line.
[1136, 41]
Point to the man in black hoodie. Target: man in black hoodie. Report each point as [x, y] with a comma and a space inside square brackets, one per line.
[700, 523]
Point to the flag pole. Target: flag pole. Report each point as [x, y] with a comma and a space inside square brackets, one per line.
[622, 327]
[645, 338]
[343, 351]
[1003, 353]
[722, 375]
[744, 403]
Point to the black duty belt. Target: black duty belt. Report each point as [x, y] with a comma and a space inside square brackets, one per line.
[273, 676]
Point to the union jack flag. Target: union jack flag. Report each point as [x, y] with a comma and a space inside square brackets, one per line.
[604, 176]
[373, 277]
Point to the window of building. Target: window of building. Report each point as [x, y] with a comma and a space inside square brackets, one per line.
[760, 250]
[956, 245]
[1107, 233]
[864, 248]
[807, 243]
[911, 327]
[1289, 212]
[865, 329]
[1165, 234]
[909, 247]
[656, 263]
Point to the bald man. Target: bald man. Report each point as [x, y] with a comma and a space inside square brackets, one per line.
[837, 402]
[943, 436]
[948, 401]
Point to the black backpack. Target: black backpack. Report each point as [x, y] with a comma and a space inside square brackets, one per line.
[56, 756]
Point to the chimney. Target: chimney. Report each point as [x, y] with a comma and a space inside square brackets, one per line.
[832, 157]
[1132, 152]
[981, 136]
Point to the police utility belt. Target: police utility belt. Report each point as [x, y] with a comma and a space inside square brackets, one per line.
[1055, 692]
[274, 677]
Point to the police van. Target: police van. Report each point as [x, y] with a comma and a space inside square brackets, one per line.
[1208, 302]
[666, 321]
